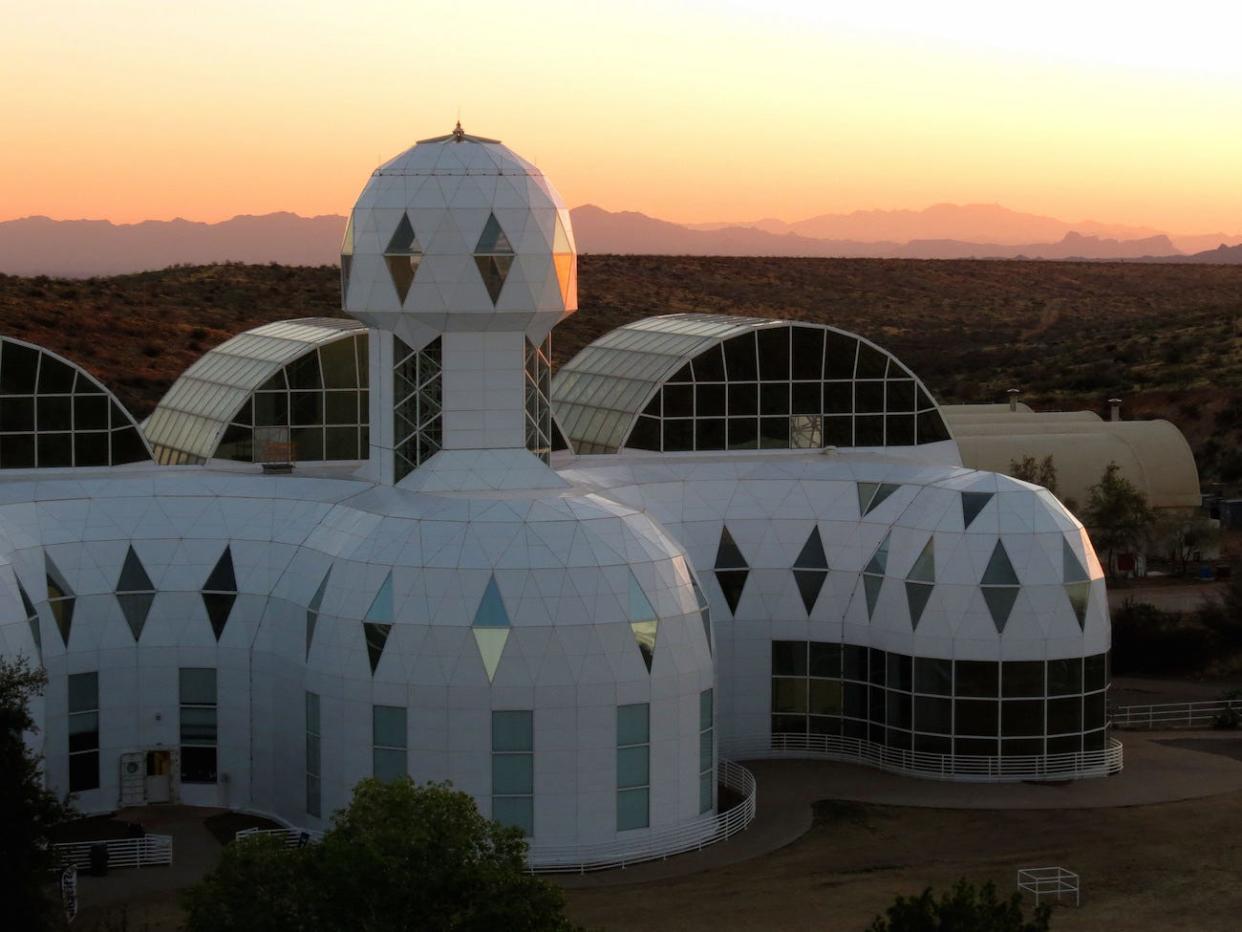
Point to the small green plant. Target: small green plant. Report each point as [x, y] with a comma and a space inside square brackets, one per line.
[965, 908]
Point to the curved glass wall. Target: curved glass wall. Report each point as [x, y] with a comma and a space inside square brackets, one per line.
[1006, 708]
[53, 414]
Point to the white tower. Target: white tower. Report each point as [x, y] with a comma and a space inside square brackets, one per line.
[460, 257]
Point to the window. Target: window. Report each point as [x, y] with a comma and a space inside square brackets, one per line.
[198, 725]
[83, 731]
[313, 761]
[807, 694]
[417, 426]
[707, 753]
[388, 743]
[538, 407]
[494, 257]
[633, 766]
[513, 769]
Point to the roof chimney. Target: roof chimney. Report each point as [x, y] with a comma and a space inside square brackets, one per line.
[1114, 409]
[1013, 394]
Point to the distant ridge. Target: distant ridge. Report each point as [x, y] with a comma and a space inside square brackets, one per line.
[82, 248]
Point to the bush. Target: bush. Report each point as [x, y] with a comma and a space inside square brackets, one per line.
[1149, 641]
[965, 908]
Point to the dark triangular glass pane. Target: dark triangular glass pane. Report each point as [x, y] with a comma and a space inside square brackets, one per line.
[924, 569]
[62, 611]
[810, 582]
[917, 594]
[645, 635]
[1080, 597]
[27, 605]
[705, 611]
[732, 582]
[491, 612]
[401, 269]
[493, 240]
[317, 599]
[878, 564]
[57, 587]
[812, 556]
[219, 605]
[494, 269]
[222, 578]
[312, 610]
[135, 606]
[884, 490]
[1000, 601]
[1071, 568]
[403, 241]
[999, 571]
[866, 492]
[312, 618]
[134, 576]
[872, 586]
[376, 636]
[36, 634]
[728, 556]
[972, 504]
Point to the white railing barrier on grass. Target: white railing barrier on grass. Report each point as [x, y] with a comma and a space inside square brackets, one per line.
[122, 852]
[959, 767]
[1173, 714]
[661, 843]
[1048, 881]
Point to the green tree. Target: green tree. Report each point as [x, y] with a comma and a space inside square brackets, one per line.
[1040, 472]
[28, 811]
[401, 856]
[1117, 515]
[965, 908]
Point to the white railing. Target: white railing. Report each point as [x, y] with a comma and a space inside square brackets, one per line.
[1174, 714]
[960, 767]
[69, 892]
[661, 843]
[1047, 881]
[122, 852]
[292, 837]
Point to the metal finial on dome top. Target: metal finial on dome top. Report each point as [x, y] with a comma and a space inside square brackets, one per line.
[458, 133]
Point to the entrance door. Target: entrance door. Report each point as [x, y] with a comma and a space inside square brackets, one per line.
[133, 779]
[159, 776]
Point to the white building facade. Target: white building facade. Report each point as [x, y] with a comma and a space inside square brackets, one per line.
[568, 597]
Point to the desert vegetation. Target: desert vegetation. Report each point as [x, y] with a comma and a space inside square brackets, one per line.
[1165, 338]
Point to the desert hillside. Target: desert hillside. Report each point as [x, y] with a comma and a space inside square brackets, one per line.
[1166, 338]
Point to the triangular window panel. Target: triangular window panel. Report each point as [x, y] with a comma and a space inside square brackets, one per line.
[728, 556]
[812, 556]
[222, 578]
[381, 609]
[36, 634]
[924, 569]
[347, 257]
[810, 582]
[312, 611]
[1000, 569]
[27, 605]
[732, 583]
[871, 587]
[1080, 597]
[60, 598]
[972, 504]
[878, 564]
[884, 491]
[494, 257]
[640, 605]
[402, 257]
[493, 240]
[705, 611]
[866, 492]
[917, 594]
[491, 643]
[219, 605]
[376, 636]
[1071, 568]
[134, 576]
[645, 634]
[136, 606]
[491, 611]
[1000, 601]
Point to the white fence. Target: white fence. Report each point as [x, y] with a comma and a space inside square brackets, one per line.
[660, 843]
[1048, 881]
[122, 852]
[292, 837]
[959, 767]
[1174, 714]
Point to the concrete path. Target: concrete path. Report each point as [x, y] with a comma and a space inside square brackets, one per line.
[1155, 772]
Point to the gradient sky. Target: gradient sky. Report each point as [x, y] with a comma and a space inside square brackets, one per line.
[693, 110]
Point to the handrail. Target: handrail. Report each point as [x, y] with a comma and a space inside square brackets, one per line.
[1173, 714]
[957, 767]
[659, 843]
[292, 837]
[122, 852]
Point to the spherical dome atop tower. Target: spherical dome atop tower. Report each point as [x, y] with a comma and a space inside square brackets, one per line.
[459, 233]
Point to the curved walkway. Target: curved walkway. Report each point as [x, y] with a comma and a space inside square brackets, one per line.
[1155, 772]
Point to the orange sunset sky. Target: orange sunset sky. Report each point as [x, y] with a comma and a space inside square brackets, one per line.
[690, 111]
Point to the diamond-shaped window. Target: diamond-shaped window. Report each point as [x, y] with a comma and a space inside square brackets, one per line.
[60, 598]
[1000, 586]
[920, 582]
[494, 257]
[811, 569]
[134, 593]
[402, 257]
[491, 628]
[731, 569]
[873, 575]
[220, 592]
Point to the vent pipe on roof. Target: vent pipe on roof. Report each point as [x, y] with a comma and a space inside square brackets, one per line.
[1114, 409]
[1013, 394]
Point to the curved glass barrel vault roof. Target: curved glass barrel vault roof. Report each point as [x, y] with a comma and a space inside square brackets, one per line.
[54, 414]
[714, 382]
[289, 378]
